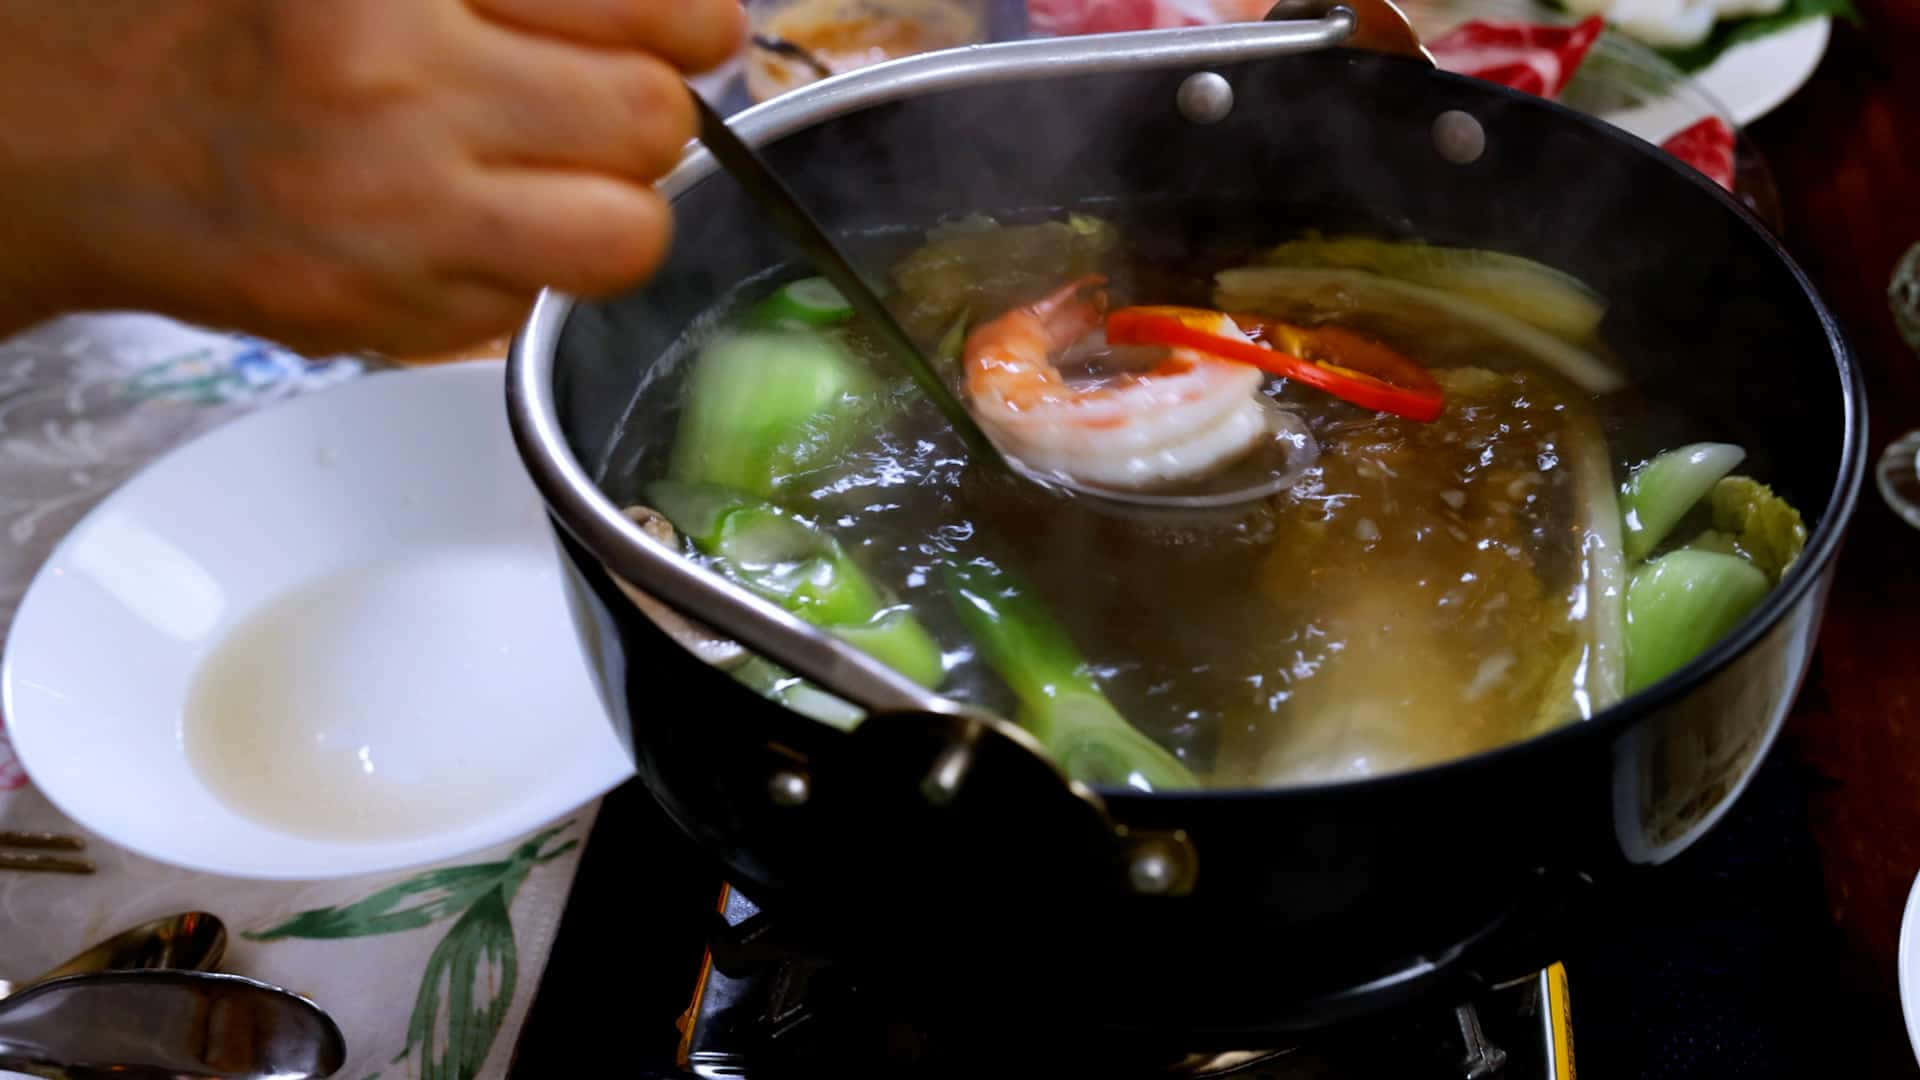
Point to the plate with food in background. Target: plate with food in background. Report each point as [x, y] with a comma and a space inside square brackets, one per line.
[1582, 63]
[798, 42]
[1748, 55]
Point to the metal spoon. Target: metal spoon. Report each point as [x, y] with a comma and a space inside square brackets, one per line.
[775, 199]
[189, 941]
[166, 1025]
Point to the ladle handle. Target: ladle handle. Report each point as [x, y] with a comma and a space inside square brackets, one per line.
[773, 198]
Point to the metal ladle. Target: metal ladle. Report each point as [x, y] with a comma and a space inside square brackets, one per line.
[1376, 25]
[657, 569]
[777, 201]
[166, 1025]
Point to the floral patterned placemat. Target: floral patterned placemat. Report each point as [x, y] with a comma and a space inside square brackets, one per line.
[428, 972]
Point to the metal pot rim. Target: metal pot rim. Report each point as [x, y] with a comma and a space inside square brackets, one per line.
[578, 504]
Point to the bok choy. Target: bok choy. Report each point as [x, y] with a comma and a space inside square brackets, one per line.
[792, 563]
[1680, 603]
[1059, 701]
[1286, 290]
[769, 404]
[1532, 292]
[1765, 529]
[1659, 493]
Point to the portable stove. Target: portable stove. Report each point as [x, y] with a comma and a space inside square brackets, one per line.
[790, 1013]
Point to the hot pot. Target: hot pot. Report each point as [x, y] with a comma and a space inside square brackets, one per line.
[932, 841]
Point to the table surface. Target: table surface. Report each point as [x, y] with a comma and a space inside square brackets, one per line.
[1846, 154]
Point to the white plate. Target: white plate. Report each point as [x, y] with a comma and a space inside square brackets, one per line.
[1909, 960]
[1752, 79]
[411, 471]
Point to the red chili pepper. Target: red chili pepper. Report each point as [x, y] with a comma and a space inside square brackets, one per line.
[1339, 362]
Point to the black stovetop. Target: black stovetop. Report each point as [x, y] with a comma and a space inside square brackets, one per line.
[1717, 968]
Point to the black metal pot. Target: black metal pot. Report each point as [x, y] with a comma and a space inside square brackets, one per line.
[1219, 916]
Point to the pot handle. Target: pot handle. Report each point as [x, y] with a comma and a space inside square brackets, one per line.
[1291, 27]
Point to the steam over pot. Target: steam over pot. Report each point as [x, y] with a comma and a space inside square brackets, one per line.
[1214, 916]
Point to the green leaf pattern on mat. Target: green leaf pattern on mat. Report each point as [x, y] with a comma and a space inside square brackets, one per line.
[470, 977]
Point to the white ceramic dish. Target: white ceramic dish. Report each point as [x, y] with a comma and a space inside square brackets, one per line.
[1752, 79]
[1745, 83]
[1909, 961]
[480, 720]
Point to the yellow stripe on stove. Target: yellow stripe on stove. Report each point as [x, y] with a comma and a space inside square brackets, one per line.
[1560, 1022]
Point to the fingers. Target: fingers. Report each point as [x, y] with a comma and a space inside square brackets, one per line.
[324, 306]
[460, 315]
[579, 232]
[693, 35]
[558, 104]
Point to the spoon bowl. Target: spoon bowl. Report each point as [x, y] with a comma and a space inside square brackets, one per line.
[189, 941]
[167, 1025]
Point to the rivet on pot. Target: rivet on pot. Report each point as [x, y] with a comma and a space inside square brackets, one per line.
[1459, 137]
[1205, 97]
[942, 783]
[788, 788]
[1151, 872]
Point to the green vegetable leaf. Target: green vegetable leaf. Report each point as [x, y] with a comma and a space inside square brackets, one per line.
[421, 899]
[776, 683]
[1765, 527]
[1715, 541]
[949, 354]
[801, 567]
[768, 405]
[1730, 32]
[896, 639]
[988, 268]
[472, 972]
[1532, 292]
[1308, 294]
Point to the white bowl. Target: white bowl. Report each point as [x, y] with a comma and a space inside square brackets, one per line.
[1909, 964]
[451, 687]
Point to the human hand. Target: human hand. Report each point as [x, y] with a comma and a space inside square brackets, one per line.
[400, 175]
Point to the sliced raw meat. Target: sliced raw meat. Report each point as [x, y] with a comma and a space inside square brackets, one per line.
[1063, 17]
[1707, 146]
[1532, 57]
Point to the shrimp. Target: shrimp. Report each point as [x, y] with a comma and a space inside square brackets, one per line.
[1186, 417]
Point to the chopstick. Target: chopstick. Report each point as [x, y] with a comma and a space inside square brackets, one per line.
[36, 856]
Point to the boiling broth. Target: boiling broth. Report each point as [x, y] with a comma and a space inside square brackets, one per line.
[1424, 592]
